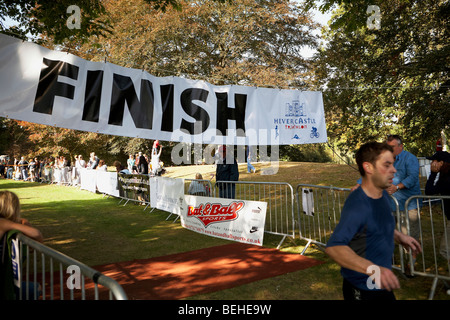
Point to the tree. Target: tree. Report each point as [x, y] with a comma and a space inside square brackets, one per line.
[62, 20]
[55, 19]
[252, 42]
[392, 79]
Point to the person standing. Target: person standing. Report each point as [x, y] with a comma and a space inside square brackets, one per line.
[131, 163]
[23, 165]
[439, 183]
[142, 164]
[226, 170]
[250, 167]
[363, 241]
[154, 161]
[93, 161]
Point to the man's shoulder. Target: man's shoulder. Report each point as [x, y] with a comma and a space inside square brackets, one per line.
[408, 155]
[356, 199]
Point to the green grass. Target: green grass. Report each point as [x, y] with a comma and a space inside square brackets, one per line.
[98, 230]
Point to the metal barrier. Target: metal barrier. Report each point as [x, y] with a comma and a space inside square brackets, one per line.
[278, 195]
[134, 187]
[434, 239]
[319, 211]
[38, 254]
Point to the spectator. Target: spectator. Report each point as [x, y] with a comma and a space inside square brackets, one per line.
[440, 165]
[38, 169]
[142, 165]
[198, 188]
[23, 165]
[93, 161]
[131, 163]
[250, 167]
[120, 169]
[76, 171]
[2, 167]
[10, 220]
[48, 169]
[226, 170]
[32, 169]
[10, 169]
[102, 166]
[156, 166]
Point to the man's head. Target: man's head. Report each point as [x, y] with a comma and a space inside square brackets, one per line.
[396, 143]
[369, 153]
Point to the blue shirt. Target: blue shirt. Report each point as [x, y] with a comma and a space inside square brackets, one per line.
[407, 167]
[367, 227]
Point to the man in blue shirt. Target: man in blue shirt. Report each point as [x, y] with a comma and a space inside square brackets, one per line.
[405, 184]
[363, 241]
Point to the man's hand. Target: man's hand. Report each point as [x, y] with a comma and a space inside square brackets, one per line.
[388, 280]
[408, 242]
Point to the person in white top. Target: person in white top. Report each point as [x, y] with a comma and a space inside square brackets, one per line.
[156, 166]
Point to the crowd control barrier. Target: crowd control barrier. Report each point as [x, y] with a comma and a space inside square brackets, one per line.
[278, 195]
[134, 187]
[319, 210]
[47, 274]
[434, 262]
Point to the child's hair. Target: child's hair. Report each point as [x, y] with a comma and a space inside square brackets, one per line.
[9, 206]
[198, 176]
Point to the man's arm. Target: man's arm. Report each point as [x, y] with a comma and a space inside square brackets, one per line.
[347, 258]
[407, 241]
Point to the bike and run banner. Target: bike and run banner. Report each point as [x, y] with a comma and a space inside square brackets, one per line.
[60, 89]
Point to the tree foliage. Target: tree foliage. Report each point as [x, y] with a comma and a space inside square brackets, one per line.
[389, 80]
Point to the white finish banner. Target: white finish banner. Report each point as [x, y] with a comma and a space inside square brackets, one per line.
[60, 89]
[231, 219]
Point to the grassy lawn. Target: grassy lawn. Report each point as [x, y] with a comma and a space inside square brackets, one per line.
[98, 230]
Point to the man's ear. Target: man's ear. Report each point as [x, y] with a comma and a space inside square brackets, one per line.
[368, 167]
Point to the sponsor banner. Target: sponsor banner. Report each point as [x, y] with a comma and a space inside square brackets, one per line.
[60, 89]
[101, 181]
[237, 220]
[107, 183]
[16, 264]
[167, 194]
[134, 187]
[88, 179]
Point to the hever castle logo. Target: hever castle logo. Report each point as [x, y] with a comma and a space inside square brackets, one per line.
[209, 213]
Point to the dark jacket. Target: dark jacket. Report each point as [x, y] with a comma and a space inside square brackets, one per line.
[227, 172]
[441, 187]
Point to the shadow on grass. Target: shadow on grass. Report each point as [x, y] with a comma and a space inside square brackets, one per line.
[12, 184]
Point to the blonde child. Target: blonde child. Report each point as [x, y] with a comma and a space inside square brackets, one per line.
[10, 217]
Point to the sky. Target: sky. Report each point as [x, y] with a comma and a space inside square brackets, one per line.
[323, 20]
